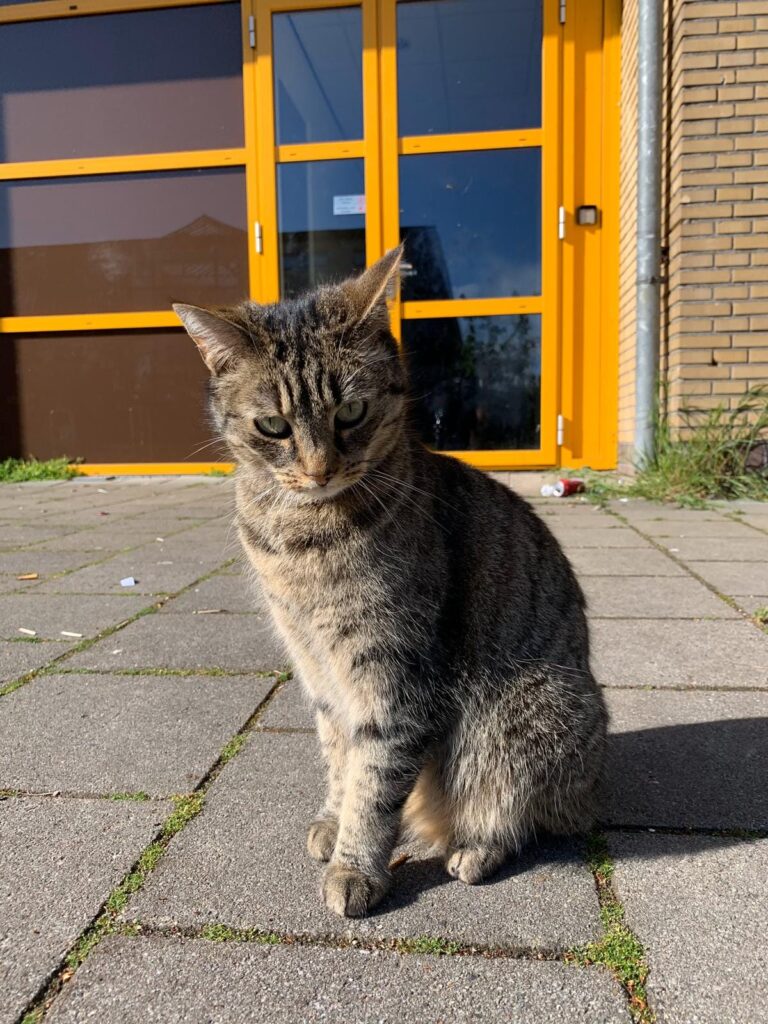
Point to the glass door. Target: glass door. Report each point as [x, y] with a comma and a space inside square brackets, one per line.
[470, 169]
[435, 122]
[318, 135]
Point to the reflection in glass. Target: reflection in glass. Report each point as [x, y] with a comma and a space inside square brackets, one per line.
[468, 65]
[117, 396]
[318, 60]
[122, 242]
[472, 224]
[135, 82]
[321, 234]
[476, 381]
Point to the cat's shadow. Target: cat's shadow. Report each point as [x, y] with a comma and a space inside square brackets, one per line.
[700, 780]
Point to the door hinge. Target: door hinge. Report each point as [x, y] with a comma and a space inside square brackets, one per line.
[561, 223]
[252, 31]
[562, 11]
[258, 237]
[560, 428]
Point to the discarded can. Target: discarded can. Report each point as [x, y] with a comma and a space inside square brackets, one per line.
[563, 488]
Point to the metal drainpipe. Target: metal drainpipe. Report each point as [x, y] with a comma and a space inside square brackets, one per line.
[649, 43]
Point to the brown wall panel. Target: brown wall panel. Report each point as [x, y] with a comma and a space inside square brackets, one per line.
[122, 396]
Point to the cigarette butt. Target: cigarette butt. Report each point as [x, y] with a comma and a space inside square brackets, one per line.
[208, 611]
[28, 632]
[77, 636]
[28, 576]
[399, 861]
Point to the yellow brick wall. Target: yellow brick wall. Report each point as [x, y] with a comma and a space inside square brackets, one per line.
[714, 341]
[718, 231]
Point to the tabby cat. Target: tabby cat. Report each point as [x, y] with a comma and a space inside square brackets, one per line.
[432, 617]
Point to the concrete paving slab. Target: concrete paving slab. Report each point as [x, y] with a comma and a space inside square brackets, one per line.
[734, 577]
[662, 529]
[699, 905]
[120, 537]
[655, 652]
[288, 709]
[228, 593]
[622, 562]
[196, 982]
[638, 508]
[153, 573]
[753, 548]
[23, 534]
[154, 734]
[603, 537]
[752, 603]
[45, 563]
[239, 643]
[60, 861]
[49, 614]
[644, 598]
[243, 861]
[758, 522]
[688, 760]
[18, 658]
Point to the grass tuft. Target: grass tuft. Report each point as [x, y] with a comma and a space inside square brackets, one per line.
[18, 471]
[619, 949]
[233, 747]
[427, 944]
[708, 461]
[137, 797]
[223, 933]
[761, 615]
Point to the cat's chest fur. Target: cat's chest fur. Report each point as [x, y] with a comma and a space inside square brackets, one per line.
[329, 608]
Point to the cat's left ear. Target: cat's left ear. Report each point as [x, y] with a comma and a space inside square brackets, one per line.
[219, 341]
[368, 293]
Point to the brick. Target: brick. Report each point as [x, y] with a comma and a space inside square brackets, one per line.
[697, 27]
[708, 44]
[734, 192]
[732, 356]
[731, 159]
[729, 60]
[696, 110]
[710, 10]
[750, 7]
[731, 259]
[735, 92]
[735, 126]
[752, 108]
[752, 41]
[733, 227]
[736, 25]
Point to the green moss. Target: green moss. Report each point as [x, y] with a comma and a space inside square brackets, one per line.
[16, 471]
[232, 748]
[427, 944]
[619, 949]
[138, 797]
[223, 933]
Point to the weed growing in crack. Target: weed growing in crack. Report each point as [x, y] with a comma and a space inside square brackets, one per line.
[619, 949]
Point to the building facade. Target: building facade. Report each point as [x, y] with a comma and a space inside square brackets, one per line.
[154, 151]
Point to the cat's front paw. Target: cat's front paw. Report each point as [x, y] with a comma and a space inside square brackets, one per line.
[350, 893]
[321, 838]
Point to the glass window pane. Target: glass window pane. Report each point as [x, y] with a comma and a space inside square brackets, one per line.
[476, 381]
[136, 82]
[321, 218]
[472, 224]
[118, 396]
[122, 242]
[468, 65]
[318, 59]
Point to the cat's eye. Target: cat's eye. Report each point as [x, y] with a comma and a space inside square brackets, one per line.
[350, 414]
[273, 426]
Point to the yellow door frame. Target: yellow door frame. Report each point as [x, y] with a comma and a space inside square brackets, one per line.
[580, 64]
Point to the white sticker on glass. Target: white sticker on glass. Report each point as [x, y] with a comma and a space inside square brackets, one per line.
[345, 205]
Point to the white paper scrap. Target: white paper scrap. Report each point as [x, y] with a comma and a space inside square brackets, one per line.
[129, 581]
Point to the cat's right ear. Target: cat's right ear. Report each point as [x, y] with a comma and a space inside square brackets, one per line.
[219, 341]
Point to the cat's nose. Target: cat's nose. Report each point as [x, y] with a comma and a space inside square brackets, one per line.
[321, 479]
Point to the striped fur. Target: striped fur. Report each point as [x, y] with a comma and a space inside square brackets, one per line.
[433, 619]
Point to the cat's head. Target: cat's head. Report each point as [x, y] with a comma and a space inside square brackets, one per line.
[313, 389]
